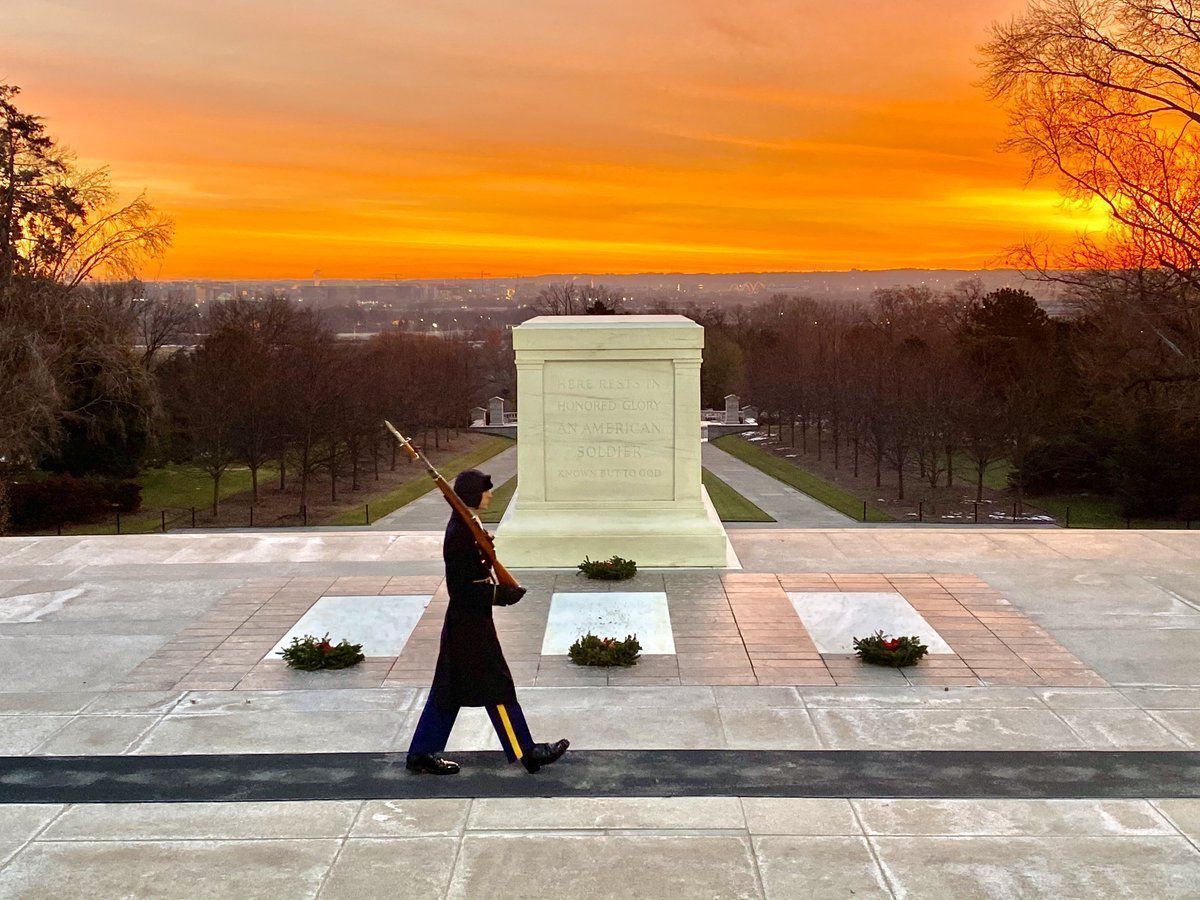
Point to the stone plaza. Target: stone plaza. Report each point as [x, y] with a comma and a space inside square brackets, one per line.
[155, 747]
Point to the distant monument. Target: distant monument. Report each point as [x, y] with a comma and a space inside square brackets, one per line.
[608, 453]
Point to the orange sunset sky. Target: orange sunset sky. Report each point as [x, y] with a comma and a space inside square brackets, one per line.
[372, 139]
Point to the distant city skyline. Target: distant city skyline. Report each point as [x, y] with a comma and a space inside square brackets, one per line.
[640, 287]
[488, 139]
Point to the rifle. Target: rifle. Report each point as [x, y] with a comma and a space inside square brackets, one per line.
[473, 524]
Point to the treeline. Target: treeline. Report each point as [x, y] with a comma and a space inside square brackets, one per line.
[915, 380]
[270, 385]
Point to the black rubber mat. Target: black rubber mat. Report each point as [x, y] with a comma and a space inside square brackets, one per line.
[605, 773]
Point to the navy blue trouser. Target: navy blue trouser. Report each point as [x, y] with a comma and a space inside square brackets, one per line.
[435, 724]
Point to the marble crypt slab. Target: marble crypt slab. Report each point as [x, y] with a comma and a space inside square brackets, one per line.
[609, 614]
[382, 624]
[835, 618]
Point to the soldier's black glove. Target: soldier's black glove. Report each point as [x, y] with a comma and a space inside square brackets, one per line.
[507, 596]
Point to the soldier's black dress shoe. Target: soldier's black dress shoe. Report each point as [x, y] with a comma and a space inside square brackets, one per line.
[544, 754]
[430, 764]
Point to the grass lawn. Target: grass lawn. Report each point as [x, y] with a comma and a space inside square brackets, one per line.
[729, 504]
[175, 488]
[994, 477]
[1091, 511]
[187, 486]
[422, 484]
[817, 488]
[501, 497]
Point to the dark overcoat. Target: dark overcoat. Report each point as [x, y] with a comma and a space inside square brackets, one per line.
[471, 670]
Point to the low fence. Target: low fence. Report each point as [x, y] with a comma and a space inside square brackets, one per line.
[178, 518]
[992, 513]
[921, 512]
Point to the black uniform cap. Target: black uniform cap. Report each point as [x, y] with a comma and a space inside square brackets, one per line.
[470, 485]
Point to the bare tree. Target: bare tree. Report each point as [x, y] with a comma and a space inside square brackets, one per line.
[723, 370]
[560, 300]
[308, 360]
[161, 322]
[983, 430]
[212, 397]
[94, 234]
[1106, 95]
[570, 299]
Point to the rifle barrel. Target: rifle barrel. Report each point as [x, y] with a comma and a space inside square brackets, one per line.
[473, 524]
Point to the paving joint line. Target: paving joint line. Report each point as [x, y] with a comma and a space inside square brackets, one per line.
[67, 720]
[337, 854]
[37, 834]
[1165, 726]
[1175, 595]
[758, 879]
[872, 849]
[462, 836]
[1170, 821]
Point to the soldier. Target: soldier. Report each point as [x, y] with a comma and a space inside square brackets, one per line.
[471, 670]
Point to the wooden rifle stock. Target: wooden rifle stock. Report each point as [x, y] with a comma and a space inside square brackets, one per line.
[476, 527]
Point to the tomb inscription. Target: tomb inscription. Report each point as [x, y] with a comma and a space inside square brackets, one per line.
[609, 430]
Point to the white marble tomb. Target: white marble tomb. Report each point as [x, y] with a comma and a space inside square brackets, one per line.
[608, 445]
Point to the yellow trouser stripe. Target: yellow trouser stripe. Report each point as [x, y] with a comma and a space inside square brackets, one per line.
[512, 735]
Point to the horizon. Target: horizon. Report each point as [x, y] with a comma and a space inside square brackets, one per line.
[577, 275]
[478, 140]
[598, 274]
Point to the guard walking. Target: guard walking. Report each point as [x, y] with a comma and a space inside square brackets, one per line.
[471, 670]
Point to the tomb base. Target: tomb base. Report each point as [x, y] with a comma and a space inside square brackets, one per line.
[540, 536]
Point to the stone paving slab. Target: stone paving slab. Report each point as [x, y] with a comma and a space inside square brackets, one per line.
[253, 732]
[819, 866]
[203, 821]
[807, 816]
[914, 729]
[1044, 866]
[411, 818]
[538, 865]
[1027, 818]
[87, 735]
[382, 867]
[265, 869]
[600, 717]
[21, 823]
[607, 813]
[1184, 815]
[611, 847]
